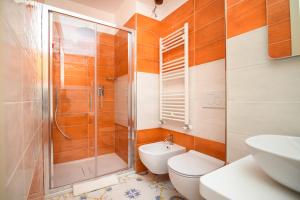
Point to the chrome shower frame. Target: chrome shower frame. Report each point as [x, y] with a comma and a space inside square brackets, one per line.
[47, 92]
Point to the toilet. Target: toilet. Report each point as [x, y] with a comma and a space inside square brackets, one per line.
[186, 169]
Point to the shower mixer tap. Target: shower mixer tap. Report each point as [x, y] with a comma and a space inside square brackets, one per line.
[100, 91]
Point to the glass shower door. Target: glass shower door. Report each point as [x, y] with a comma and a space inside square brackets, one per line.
[90, 110]
[113, 144]
[73, 76]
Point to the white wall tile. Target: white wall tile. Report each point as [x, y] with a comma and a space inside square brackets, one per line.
[263, 95]
[15, 189]
[13, 137]
[11, 67]
[271, 81]
[254, 118]
[247, 49]
[237, 146]
[207, 102]
[28, 122]
[29, 163]
[21, 97]
[147, 100]
[121, 103]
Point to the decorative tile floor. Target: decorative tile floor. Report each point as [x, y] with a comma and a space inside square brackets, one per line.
[132, 187]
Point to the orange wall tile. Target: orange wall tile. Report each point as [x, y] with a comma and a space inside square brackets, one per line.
[247, 15]
[214, 51]
[147, 44]
[209, 147]
[278, 10]
[206, 28]
[279, 28]
[148, 136]
[280, 49]
[121, 53]
[202, 3]
[177, 19]
[209, 12]
[121, 142]
[181, 139]
[210, 31]
[244, 16]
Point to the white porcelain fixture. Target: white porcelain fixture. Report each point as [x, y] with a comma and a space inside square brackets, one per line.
[155, 155]
[279, 157]
[243, 180]
[186, 169]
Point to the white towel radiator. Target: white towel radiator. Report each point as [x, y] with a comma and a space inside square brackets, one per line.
[174, 103]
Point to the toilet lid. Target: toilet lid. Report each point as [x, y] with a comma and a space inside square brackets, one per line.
[194, 163]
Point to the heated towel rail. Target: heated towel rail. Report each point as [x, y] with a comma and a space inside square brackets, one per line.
[174, 104]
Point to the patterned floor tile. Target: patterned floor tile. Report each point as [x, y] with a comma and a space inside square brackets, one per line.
[144, 186]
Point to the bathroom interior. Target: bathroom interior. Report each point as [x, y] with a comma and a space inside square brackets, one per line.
[150, 99]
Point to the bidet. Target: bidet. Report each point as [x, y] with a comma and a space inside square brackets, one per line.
[155, 155]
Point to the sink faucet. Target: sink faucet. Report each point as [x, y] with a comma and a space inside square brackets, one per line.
[169, 139]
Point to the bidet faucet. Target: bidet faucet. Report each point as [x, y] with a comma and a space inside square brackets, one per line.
[169, 139]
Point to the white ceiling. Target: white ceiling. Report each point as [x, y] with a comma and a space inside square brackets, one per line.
[106, 5]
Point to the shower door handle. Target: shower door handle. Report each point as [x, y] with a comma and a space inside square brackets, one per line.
[91, 103]
[100, 91]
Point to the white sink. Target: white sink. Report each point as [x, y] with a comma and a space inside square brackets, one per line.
[279, 157]
[155, 155]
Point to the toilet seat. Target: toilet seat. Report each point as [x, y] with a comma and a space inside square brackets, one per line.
[183, 175]
[193, 164]
[185, 171]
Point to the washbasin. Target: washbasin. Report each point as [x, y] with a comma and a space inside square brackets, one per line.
[155, 155]
[279, 157]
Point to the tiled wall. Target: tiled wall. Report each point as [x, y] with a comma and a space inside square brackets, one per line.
[206, 29]
[148, 33]
[207, 75]
[244, 16]
[121, 142]
[21, 101]
[263, 97]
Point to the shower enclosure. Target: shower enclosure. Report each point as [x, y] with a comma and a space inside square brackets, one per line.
[88, 112]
